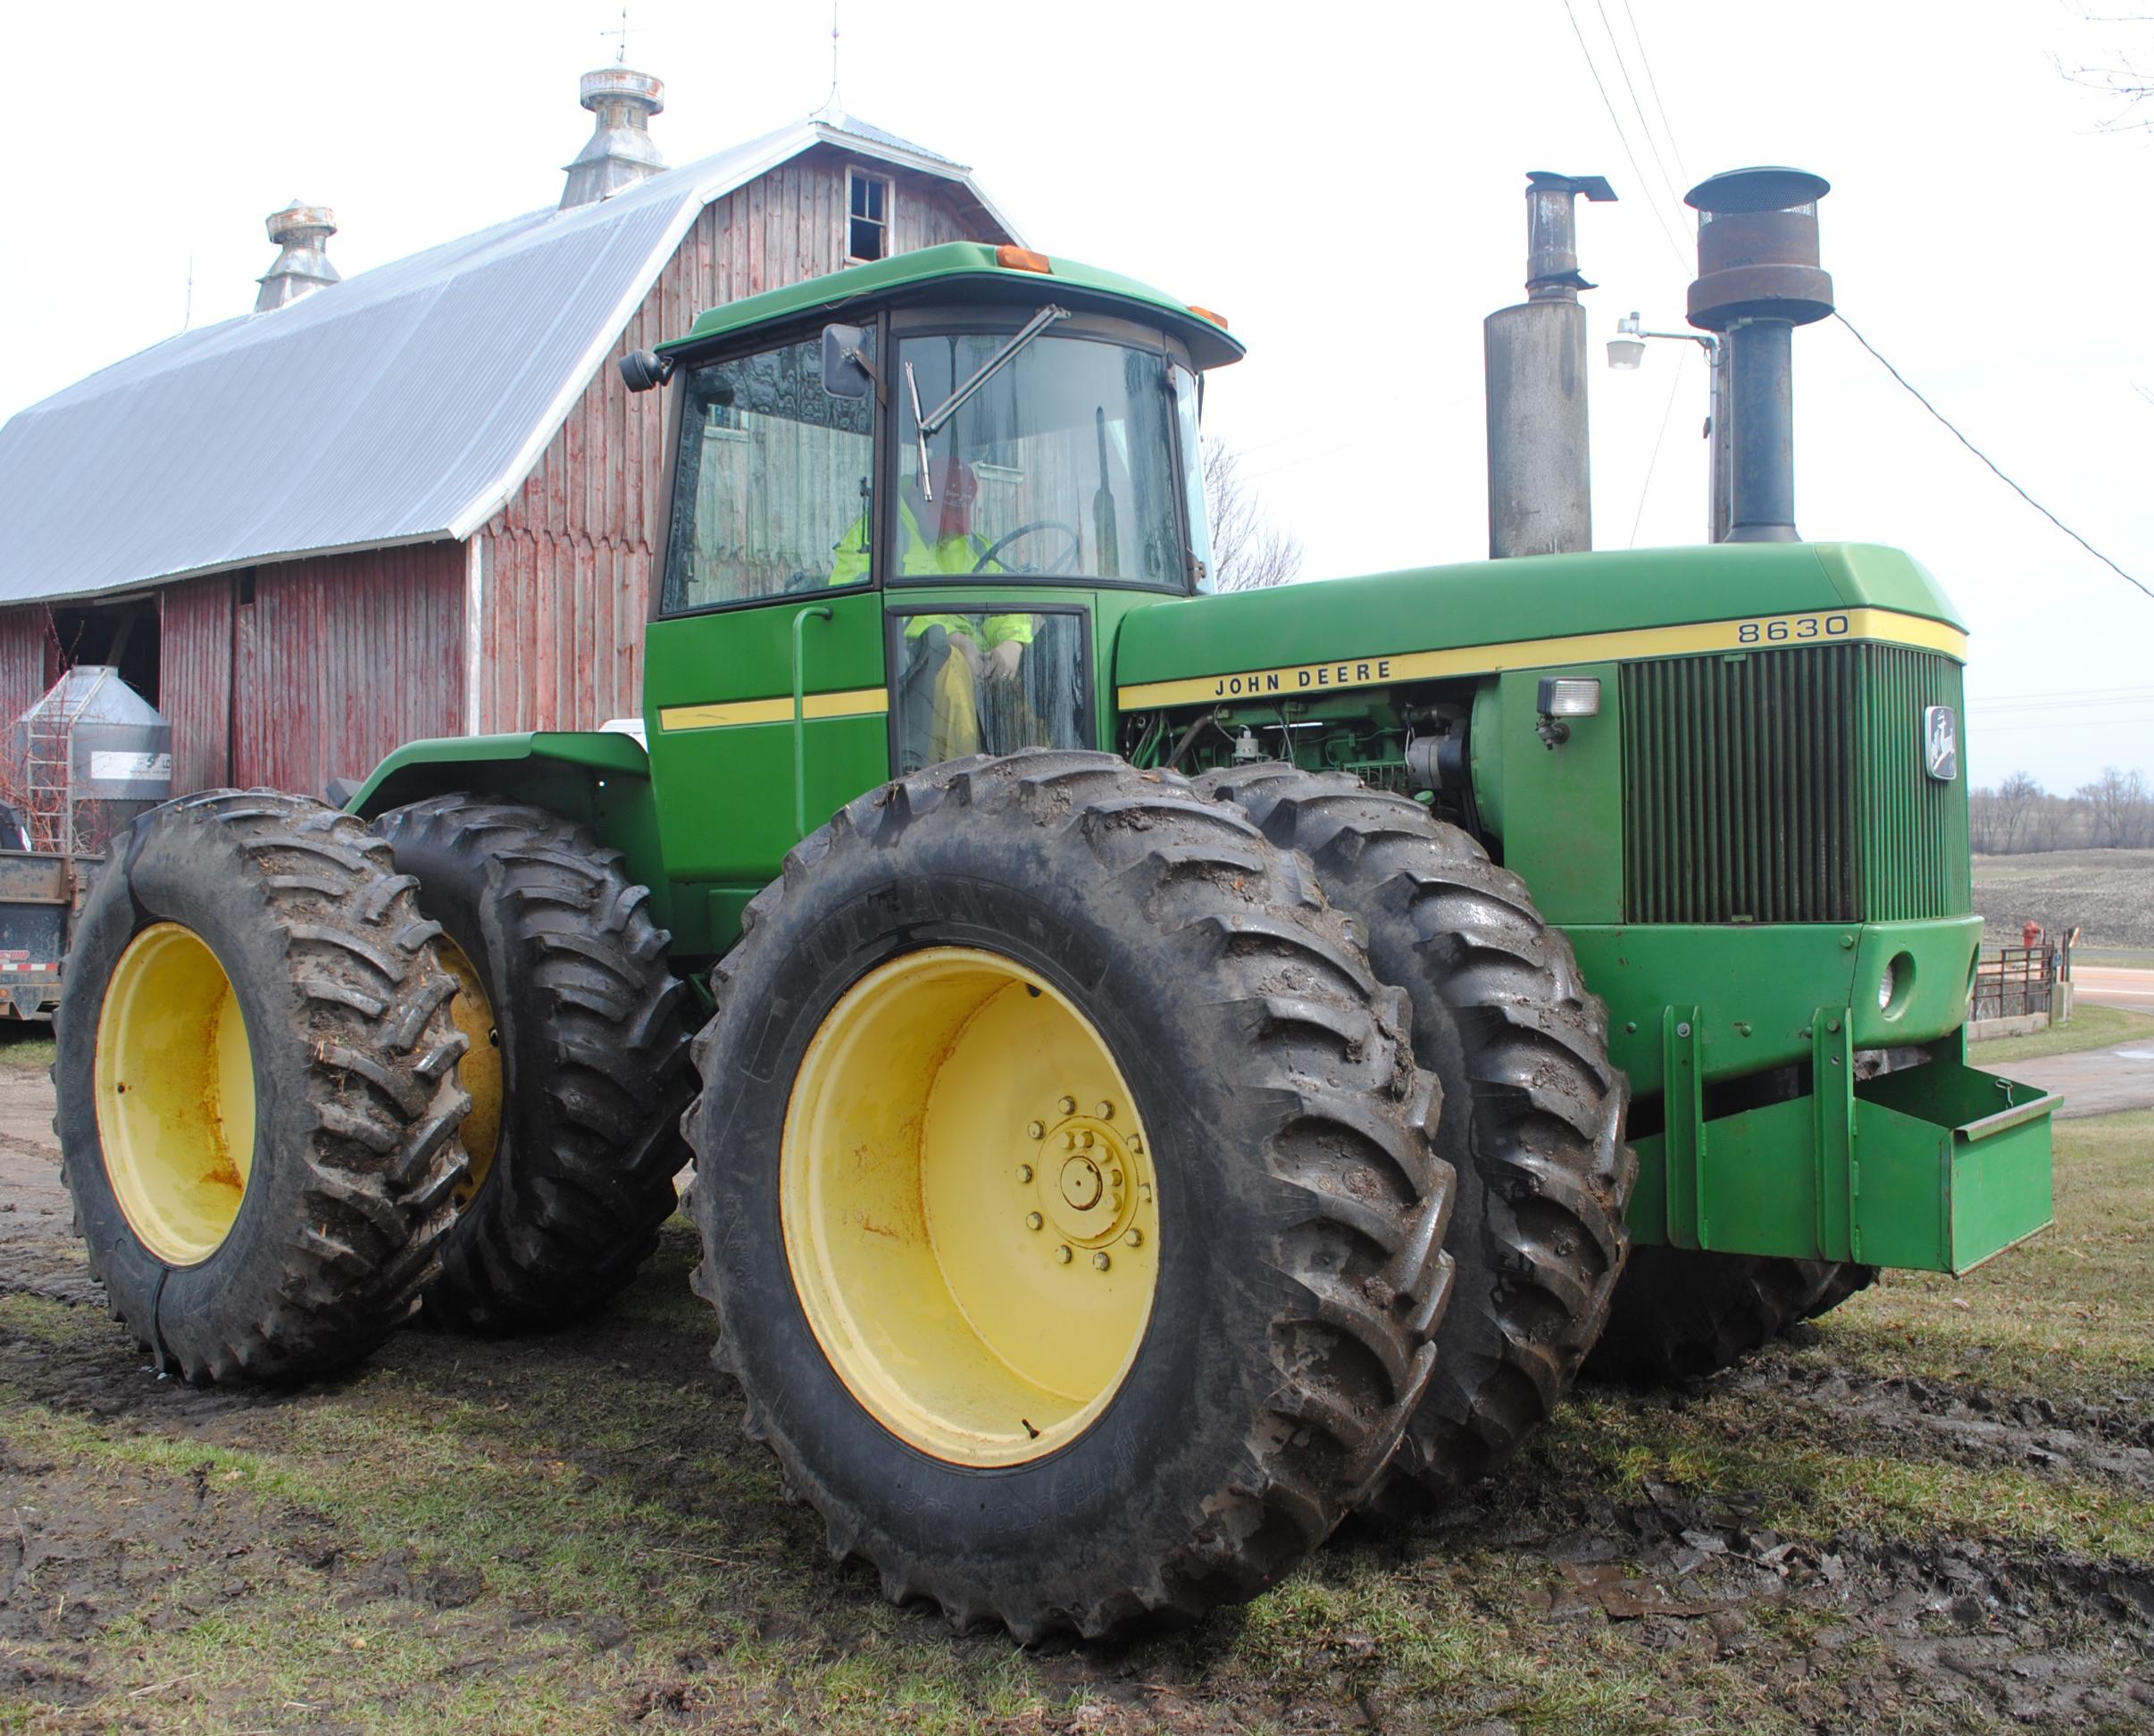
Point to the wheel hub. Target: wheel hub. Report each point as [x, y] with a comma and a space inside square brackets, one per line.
[968, 1210]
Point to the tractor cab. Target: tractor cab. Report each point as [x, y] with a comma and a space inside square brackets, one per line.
[909, 505]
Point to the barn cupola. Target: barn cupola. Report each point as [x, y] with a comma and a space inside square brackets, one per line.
[620, 151]
[302, 268]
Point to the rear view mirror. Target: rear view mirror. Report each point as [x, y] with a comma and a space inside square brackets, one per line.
[846, 373]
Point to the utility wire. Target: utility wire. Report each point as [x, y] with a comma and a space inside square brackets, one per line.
[1637, 107]
[1623, 138]
[1653, 85]
[1646, 488]
[1986, 459]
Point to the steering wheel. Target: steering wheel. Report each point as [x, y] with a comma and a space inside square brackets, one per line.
[1076, 552]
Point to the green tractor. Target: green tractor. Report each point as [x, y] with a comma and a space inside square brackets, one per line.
[1155, 1064]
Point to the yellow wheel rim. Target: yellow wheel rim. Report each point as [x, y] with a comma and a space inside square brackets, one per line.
[479, 1069]
[175, 1094]
[969, 1206]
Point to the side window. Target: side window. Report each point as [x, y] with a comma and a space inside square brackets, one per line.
[972, 681]
[772, 487]
[867, 228]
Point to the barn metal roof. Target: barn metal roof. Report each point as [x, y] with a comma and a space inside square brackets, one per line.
[405, 404]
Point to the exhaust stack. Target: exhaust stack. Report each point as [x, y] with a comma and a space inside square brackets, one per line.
[1757, 279]
[1540, 493]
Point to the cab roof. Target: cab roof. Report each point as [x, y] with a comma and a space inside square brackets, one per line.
[913, 276]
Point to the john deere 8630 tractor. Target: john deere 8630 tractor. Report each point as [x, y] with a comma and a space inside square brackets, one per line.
[1155, 1064]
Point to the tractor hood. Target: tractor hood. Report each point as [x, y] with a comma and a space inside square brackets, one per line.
[1533, 612]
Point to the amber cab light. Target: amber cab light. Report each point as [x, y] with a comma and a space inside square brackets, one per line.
[1219, 320]
[1022, 259]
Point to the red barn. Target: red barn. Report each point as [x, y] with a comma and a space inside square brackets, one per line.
[419, 501]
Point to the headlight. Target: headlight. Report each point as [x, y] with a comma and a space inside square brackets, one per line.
[1888, 986]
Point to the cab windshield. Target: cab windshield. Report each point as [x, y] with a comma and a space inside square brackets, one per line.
[1061, 465]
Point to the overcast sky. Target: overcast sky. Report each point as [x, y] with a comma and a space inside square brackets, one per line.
[1343, 181]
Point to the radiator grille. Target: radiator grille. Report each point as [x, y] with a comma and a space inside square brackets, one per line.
[1787, 786]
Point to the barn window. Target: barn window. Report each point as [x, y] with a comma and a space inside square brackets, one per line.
[868, 222]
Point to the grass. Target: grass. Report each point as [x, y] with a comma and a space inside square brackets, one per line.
[29, 1047]
[570, 1533]
[2113, 957]
[2088, 1027]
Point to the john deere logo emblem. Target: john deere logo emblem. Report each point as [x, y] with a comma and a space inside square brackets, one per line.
[1940, 742]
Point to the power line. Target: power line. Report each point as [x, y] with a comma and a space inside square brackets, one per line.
[1623, 139]
[2059, 693]
[2068, 723]
[1986, 459]
[1646, 488]
[1653, 85]
[1637, 107]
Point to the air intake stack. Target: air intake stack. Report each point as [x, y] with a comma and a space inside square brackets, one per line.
[1757, 279]
[1540, 480]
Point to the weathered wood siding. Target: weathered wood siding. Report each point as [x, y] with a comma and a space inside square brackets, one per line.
[566, 566]
[331, 664]
[194, 679]
[27, 655]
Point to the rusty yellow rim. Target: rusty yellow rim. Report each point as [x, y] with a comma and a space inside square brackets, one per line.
[969, 1207]
[175, 1094]
[479, 1070]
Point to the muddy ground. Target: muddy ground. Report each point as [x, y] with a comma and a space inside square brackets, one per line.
[1933, 1510]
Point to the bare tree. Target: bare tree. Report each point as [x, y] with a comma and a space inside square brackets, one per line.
[2120, 810]
[1249, 552]
[2124, 76]
[2002, 817]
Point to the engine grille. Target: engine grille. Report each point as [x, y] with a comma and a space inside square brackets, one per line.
[1787, 786]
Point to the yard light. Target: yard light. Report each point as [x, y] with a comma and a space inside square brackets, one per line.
[1627, 348]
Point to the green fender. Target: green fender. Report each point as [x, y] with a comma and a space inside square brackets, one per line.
[600, 778]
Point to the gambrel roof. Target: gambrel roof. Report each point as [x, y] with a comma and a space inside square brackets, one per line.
[405, 404]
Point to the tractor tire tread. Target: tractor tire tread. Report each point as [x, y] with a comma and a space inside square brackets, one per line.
[1535, 1106]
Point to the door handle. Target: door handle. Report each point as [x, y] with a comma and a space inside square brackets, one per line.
[819, 611]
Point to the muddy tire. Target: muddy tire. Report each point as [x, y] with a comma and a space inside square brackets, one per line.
[1138, 1422]
[1533, 1109]
[576, 1140]
[257, 1091]
[1682, 1314]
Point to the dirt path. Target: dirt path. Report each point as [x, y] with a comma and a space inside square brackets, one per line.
[2094, 1082]
[37, 1249]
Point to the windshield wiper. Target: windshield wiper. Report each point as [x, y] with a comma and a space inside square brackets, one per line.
[930, 426]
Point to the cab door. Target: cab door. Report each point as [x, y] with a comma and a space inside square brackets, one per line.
[765, 703]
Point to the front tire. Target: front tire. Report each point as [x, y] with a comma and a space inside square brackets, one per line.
[257, 1090]
[1684, 1313]
[943, 1326]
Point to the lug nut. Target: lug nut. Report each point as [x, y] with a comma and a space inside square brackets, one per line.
[1135, 1239]
[1033, 1220]
[1036, 1131]
[1062, 1254]
[1135, 1144]
[1114, 1179]
[1085, 1139]
[1106, 1111]
[1069, 1142]
[1101, 1261]
[1025, 1171]
[1067, 1106]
